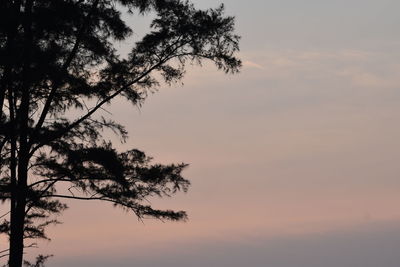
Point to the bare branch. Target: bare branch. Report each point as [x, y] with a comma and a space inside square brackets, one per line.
[5, 255]
[4, 215]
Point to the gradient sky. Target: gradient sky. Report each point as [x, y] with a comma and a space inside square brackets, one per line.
[294, 162]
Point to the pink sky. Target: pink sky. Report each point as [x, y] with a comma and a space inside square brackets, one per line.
[296, 156]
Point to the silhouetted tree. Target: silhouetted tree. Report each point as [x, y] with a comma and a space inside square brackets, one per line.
[58, 67]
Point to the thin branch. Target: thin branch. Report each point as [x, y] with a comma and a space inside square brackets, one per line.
[5, 255]
[69, 189]
[80, 198]
[65, 66]
[33, 245]
[4, 215]
[98, 106]
[103, 198]
[103, 109]
[43, 191]
[60, 180]
[110, 97]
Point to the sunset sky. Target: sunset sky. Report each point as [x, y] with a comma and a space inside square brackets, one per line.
[294, 162]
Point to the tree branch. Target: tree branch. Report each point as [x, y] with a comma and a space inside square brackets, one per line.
[5, 255]
[5, 79]
[4, 215]
[60, 180]
[98, 106]
[65, 66]
[79, 198]
[33, 245]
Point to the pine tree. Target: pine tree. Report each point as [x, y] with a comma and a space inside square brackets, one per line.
[56, 58]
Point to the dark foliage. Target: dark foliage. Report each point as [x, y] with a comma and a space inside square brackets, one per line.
[40, 260]
[56, 59]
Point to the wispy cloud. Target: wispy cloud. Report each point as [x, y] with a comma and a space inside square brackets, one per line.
[350, 68]
[251, 64]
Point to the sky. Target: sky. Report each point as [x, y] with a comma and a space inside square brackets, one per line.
[293, 162]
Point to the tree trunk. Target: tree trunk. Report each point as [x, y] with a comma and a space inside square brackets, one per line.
[17, 232]
[19, 198]
[19, 195]
[22, 117]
